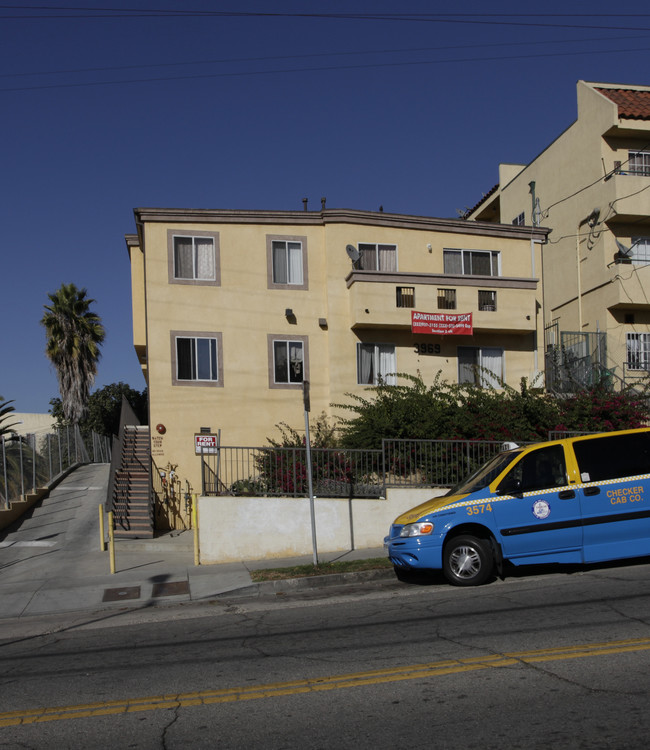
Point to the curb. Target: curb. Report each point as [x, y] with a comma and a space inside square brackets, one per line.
[304, 583]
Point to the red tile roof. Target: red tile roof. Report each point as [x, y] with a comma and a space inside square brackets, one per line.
[632, 104]
[490, 192]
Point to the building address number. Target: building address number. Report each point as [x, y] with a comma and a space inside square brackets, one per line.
[427, 348]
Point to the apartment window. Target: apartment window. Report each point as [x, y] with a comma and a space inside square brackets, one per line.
[519, 220]
[288, 362]
[193, 258]
[481, 366]
[196, 358]
[376, 257]
[471, 262]
[639, 162]
[446, 299]
[375, 363]
[638, 351]
[286, 262]
[487, 301]
[405, 296]
[640, 249]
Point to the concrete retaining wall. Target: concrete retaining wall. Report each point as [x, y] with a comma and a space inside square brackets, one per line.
[232, 529]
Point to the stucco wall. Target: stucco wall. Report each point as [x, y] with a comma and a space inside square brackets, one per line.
[232, 529]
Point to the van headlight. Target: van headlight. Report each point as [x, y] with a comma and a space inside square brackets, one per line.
[421, 528]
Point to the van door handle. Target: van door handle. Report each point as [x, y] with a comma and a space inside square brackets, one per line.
[592, 490]
[566, 494]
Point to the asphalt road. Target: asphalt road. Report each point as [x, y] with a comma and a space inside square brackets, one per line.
[547, 659]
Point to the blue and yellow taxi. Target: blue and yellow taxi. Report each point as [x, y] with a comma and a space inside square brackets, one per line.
[581, 499]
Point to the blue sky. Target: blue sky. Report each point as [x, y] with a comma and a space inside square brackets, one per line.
[205, 104]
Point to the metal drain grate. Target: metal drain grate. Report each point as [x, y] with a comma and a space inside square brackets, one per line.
[172, 588]
[121, 594]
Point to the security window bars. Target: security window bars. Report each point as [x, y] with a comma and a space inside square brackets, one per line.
[638, 351]
[287, 262]
[471, 262]
[194, 258]
[288, 361]
[375, 363]
[640, 249]
[446, 299]
[481, 366]
[639, 163]
[196, 359]
[405, 296]
[375, 257]
[487, 301]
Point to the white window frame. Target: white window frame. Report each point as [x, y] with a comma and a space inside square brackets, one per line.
[291, 263]
[640, 247]
[384, 255]
[465, 257]
[377, 367]
[203, 372]
[211, 279]
[519, 220]
[638, 162]
[197, 244]
[298, 243]
[479, 372]
[638, 351]
[282, 338]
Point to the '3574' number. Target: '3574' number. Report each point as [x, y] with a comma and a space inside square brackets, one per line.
[475, 510]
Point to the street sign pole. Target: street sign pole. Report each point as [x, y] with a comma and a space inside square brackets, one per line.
[305, 394]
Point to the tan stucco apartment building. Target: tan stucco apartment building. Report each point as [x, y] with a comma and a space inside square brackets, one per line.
[591, 186]
[233, 310]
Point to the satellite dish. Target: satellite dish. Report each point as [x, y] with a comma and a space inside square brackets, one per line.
[352, 251]
[624, 252]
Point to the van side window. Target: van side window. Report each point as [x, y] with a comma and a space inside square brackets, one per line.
[613, 456]
[542, 469]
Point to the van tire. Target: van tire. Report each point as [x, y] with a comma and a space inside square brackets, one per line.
[467, 561]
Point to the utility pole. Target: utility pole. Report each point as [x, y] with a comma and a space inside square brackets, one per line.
[305, 396]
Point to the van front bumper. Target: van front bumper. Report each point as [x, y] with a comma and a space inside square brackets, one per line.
[414, 552]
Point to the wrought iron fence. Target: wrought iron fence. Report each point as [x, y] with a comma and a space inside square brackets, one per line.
[434, 463]
[283, 472]
[274, 471]
[30, 462]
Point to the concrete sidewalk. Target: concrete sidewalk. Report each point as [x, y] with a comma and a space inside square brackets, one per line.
[51, 560]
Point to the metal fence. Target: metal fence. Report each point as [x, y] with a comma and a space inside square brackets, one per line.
[276, 472]
[30, 462]
[283, 472]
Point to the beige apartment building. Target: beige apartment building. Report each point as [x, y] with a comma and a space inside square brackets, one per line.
[234, 310]
[591, 187]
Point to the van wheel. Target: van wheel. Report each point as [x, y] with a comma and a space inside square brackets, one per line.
[467, 561]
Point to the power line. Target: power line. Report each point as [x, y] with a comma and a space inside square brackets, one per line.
[66, 12]
[357, 53]
[318, 69]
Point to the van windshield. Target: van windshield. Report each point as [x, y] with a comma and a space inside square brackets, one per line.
[484, 474]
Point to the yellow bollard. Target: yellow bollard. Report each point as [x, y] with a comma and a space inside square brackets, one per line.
[102, 541]
[111, 541]
[195, 526]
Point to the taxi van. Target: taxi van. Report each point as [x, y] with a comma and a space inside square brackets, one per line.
[577, 500]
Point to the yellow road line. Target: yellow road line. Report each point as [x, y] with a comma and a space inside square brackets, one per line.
[337, 682]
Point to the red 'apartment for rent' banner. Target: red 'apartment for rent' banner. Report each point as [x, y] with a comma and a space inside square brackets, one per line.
[441, 323]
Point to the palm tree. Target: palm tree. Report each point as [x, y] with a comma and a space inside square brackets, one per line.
[74, 336]
[5, 411]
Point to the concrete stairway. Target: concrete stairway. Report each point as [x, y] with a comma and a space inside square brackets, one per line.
[132, 496]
